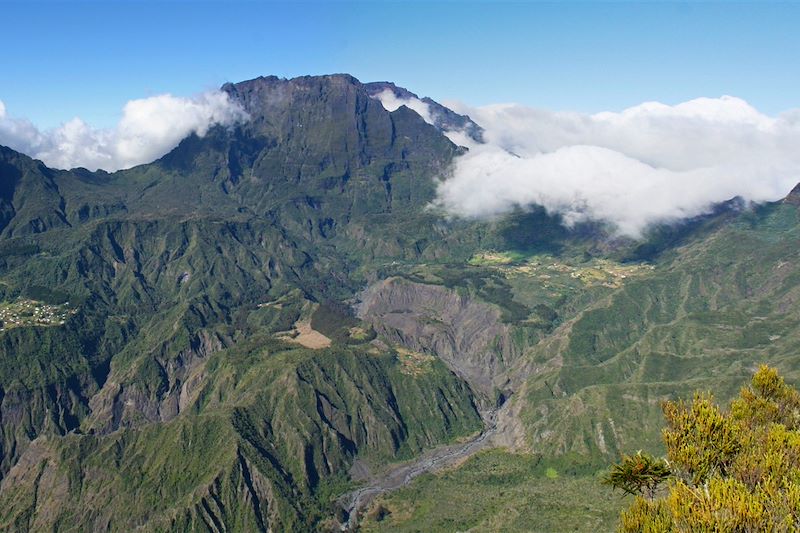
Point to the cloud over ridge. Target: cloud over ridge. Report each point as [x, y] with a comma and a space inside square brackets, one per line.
[391, 102]
[148, 129]
[648, 164]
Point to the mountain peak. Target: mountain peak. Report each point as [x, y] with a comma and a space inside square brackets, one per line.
[320, 137]
[269, 95]
[340, 79]
[289, 104]
[794, 196]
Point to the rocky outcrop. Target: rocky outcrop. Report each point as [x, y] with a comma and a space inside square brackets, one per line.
[465, 333]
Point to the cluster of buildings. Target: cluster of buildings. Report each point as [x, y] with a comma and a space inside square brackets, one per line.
[31, 313]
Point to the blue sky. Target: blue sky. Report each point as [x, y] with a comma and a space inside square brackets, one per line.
[67, 59]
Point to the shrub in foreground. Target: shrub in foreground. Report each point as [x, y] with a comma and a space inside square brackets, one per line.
[734, 470]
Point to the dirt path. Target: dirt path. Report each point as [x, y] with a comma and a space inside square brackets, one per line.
[355, 502]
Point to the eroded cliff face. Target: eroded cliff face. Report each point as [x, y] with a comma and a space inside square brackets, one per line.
[466, 334]
[25, 414]
[127, 402]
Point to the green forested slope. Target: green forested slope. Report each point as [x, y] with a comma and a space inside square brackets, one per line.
[708, 313]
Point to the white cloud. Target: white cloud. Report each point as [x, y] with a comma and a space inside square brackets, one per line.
[391, 102]
[149, 128]
[650, 163]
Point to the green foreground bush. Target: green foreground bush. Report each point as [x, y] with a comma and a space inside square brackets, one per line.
[734, 471]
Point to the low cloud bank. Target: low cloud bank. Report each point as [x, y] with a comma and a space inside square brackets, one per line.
[149, 128]
[648, 164]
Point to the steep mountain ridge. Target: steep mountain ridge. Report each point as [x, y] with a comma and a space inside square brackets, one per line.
[444, 118]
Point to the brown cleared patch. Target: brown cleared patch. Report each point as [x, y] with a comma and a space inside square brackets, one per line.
[305, 335]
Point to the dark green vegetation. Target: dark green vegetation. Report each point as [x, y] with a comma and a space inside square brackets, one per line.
[639, 474]
[177, 393]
